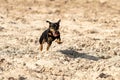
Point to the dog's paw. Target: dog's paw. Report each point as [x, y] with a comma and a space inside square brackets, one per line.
[59, 42]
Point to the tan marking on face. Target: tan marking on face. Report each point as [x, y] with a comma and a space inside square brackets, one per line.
[49, 34]
[52, 30]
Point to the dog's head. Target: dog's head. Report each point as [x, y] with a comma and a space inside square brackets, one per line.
[54, 27]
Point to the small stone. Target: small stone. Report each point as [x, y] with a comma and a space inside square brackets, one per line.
[24, 64]
[31, 40]
[112, 52]
[103, 75]
[2, 60]
[1, 28]
[11, 78]
[6, 46]
[22, 78]
[83, 45]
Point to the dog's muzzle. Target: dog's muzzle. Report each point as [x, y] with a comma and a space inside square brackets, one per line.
[56, 33]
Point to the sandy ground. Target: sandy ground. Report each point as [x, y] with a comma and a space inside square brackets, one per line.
[90, 31]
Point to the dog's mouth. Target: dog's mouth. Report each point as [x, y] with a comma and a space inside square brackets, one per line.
[55, 34]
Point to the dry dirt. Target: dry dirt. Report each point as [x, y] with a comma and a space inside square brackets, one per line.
[90, 31]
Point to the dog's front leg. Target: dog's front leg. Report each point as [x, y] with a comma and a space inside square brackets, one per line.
[48, 46]
[58, 40]
[49, 42]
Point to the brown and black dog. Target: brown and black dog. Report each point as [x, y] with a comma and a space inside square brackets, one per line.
[51, 34]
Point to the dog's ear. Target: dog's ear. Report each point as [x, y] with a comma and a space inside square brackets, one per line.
[48, 22]
[59, 20]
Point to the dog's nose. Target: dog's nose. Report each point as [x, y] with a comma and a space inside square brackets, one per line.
[57, 32]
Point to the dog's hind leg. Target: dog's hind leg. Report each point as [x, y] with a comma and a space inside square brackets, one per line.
[41, 41]
[41, 47]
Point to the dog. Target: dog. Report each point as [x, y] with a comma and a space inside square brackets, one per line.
[51, 34]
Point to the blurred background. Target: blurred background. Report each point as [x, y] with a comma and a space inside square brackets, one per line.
[70, 9]
[90, 32]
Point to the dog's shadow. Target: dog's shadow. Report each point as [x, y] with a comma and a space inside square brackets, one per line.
[75, 54]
